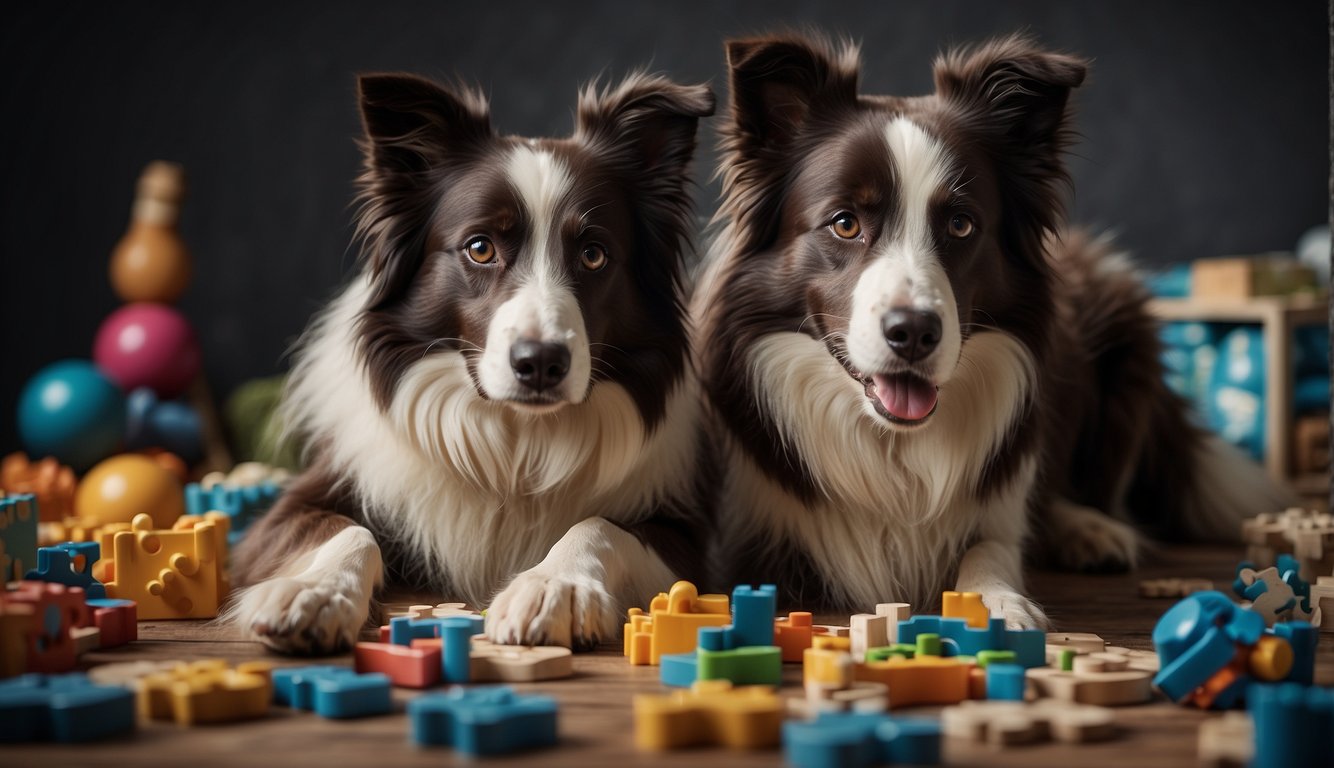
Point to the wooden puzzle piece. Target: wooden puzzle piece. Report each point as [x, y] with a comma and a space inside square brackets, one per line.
[1103, 679]
[518, 663]
[894, 612]
[207, 692]
[1173, 587]
[868, 631]
[1271, 596]
[711, 712]
[1227, 741]
[1006, 723]
[128, 673]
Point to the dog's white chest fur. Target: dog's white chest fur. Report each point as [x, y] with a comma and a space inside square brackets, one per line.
[478, 491]
[895, 511]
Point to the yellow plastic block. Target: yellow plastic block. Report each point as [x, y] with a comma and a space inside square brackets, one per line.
[222, 525]
[919, 680]
[967, 606]
[673, 622]
[826, 667]
[170, 574]
[712, 712]
[207, 692]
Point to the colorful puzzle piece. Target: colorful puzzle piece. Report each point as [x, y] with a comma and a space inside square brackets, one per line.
[332, 692]
[484, 721]
[518, 663]
[207, 692]
[861, 740]
[56, 609]
[63, 708]
[1275, 595]
[967, 606]
[960, 639]
[70, 564]
[242, 504]
[1004, 723]
[1102, 679]
[18, 535]
[169, 574]
[672, 623]
[116, 620]
[410, 667]
[454, 633]
[711, 712]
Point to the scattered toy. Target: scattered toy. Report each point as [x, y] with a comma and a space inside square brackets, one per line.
[1007, 723]
[207, 692]
[484, 721]
[63, 708]
[711, 712]
[332, 692]
[672, 623]
[861, 740]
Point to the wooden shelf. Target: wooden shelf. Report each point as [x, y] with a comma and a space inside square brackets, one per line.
[1278, 316]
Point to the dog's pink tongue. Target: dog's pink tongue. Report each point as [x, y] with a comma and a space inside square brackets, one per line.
[905, 397]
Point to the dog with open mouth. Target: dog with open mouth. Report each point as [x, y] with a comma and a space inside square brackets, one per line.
[501, 397]
[910, 364]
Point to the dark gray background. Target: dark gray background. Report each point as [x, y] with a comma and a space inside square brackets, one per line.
[1205, 128]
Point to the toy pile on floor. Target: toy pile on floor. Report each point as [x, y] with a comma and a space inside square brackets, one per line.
[721, 659]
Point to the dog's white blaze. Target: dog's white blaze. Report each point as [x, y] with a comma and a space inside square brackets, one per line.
[906, 271]
[892, 503]
[543, 308]
[478, 491]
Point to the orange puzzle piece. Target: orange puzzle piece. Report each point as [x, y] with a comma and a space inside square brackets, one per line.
[170, 574]
[967, 606]
[672, 623]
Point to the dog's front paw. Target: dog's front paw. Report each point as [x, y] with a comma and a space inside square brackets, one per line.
[544, 609]
[298, 616]
[1018, 611]
[1084, 539]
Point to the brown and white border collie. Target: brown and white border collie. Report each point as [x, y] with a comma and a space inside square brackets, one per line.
[501, 397]
[909, 363]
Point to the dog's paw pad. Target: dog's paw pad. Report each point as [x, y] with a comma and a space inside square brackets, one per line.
[541, 609]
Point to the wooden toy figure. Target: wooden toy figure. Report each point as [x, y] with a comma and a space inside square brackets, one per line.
[151, 262]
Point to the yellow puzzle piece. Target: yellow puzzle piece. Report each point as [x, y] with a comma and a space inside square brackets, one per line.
[170, 574]
[207, 692]
[711, 712]
[672, 623]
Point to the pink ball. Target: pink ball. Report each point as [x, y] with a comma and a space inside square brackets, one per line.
[147, 345]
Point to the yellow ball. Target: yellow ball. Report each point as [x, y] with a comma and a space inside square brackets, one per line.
[123, 486]
[1271, 659]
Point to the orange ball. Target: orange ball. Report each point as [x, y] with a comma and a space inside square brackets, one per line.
[150, 263]
[123, 486]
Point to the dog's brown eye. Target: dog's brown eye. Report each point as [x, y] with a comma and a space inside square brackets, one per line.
[593, 257]
[846, 226]
[481, 250]
[961, 225]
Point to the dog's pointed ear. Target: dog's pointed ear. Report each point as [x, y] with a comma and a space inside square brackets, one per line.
[650, 117]
[647, 126]
[1019, 89]
[411, 122]
[777, 84]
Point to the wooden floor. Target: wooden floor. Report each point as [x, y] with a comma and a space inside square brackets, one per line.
[595, 717]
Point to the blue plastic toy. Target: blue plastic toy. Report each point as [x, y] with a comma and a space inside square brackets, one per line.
[484, 721]
[1197, 637]
[860, 740]
[64, 708]
[959, 639]
[1005, 682]
[243, 504]
[169, 424]
[71, 411]
[1294, 725]
[1303, 637]
[18, 534]
[332, 692]
[56, 565]
[456, 640]
[742, 652]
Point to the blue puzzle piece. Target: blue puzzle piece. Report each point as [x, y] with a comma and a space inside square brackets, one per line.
[484, 721]
[753, 611]
[1189, 669]
[18, 535]
[1290, 571]
[456, 635]
[1005, 682]
[244, 504]
[56, 565]
[860, 740]
[1294, 725]
[959, 639]
[332, 692]
[678, 669]
[63, 708]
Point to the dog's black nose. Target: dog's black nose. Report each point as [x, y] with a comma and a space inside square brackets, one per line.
[540, 365]
[911, 333]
